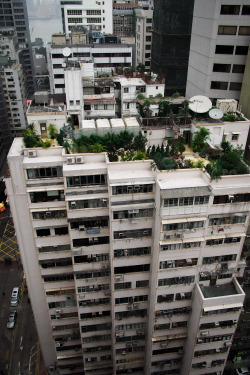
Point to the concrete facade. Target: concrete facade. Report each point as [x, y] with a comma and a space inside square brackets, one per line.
[128, 269]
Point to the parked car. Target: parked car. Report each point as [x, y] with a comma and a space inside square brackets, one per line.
[243, 371]
[12, 319]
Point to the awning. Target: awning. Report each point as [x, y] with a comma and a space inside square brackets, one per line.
[225, 306]
[133, 183]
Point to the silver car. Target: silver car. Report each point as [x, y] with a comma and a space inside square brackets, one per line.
[12, 319]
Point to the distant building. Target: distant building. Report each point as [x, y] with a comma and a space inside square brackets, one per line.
[123, 17]
[144, 19]
[218, 49]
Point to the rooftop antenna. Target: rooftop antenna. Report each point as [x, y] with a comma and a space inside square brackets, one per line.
[200, 104]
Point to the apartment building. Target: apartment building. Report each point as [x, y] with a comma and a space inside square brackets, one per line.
[106, 57]
[14, 14]
[144, 19]
[95, 15]
[129, 269]
[123, 17]
[218, 49]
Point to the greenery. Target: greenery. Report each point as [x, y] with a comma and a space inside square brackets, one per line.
[231, 117]
[52, 131]
[140, 67]
[176, 95]
[200, 138]
[141, 96]
[30, 138]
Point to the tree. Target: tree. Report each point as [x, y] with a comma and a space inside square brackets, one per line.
[140, 142]
[52, 131]
[200, 138]
[140, 67]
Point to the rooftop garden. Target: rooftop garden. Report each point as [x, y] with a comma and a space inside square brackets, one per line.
[126, 146]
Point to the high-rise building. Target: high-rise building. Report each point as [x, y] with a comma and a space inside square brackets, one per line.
[129, 269]
[123, 17]
[144, 19]
[67, 2]
[172, 24]
[219, 47]
[14, 14]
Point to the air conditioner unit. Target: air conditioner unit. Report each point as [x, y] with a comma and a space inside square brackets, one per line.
[95, 239]
[121, 234]
[230, 197]
[71, 160]
[79, 160]
[163, 344]
[118, 277]
[234, 321]
[89, 359]
[217, 350]
[234, 239]
[217, 324]
[32, 154]
[124, 352]
[104, 200]
[145, 232]
[199, 341]
[181, 351]
[139, 332]
[182, 295]
[136, 188]
[69, 298]
[82, 227]
[189, 261]
[58, 311]
[59, 344]
[100, 313]
[72, 204]
[167, 236]
[205, 333]
[48, 213]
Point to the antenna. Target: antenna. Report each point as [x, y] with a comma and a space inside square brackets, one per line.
[66, 52]
[216, 113]
[200, 104]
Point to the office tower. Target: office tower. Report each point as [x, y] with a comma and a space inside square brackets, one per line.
[172, 24]
[129, 269]
[219, 47]
[67, 2]
[14, 14]
[96, 15]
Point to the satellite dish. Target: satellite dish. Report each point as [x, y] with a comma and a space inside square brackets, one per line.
[216, 113]
[200, 104]
[64, 65]
[66, 52]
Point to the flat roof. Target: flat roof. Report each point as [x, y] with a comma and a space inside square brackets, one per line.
[124, 81]
[212, 291]
[131, 122]
[179, 180]
[88, 124]
[102, 123]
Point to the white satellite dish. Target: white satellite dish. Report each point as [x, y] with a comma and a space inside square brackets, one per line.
[216, 113]
[64, 65]
[66, 52]
[200, 104]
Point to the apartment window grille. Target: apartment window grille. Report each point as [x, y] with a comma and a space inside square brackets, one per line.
[132, 189]
[119, 286]
[96, 327]
[38, 173]
[124, 327]
[125, 89]
[227, 220]
[94, 20]
[92, 274]
[94, 302]
[188, 201]
[43, 232]
[134, 349]
[236, 198]
[145, 232]
[100, 348]
[131, 313]
[45, 215]
[52, 278]
[221, 324]
[126, 300]
[176, 280]
[159, 327]
[66, 327]
[93, 12]
[184, 225]
[230, 9]
[75, 20]
[129, 214]
[61, 304]
[74, 12]
[178, 263]
[91, 223]
[90, 203]
[93, 288]
[168, 350]
[96, 338]
[220, 241]
[218, 259]
[132, 252]
[142, 283]
[132, 269]
[165, 298]
[48, 249]
[91, 258]
[130, 338]
[47, 196]
[176, 246]
[180, 296]
[77, 181]
[203, 340]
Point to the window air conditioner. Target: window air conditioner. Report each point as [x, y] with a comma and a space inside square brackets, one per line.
[230, 197]
[32, 154]
[199, 341]
[205, 333]
[82, 227]
[48, 213]
[58, 311]
[71, 160]
[124, 352]
[234, 239]
[72, 204]
[79, 160]
[89, 359]
[217, 350]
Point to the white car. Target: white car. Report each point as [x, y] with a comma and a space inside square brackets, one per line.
[243, 371]
[12, 319]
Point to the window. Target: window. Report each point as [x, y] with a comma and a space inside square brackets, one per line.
[125, 89]
[230, 9]
[94, 20]
[90, 241]
[244, 30]
[93, 302]
[146, 232]
[43, 232]
[91, 203]
[227, 30]
[176, 246]
[225, 50]
[119, 286]
[44, 173]
[93, 12]
[48, 249]
[71, 102]
[142, 284]
[93, 288]
[222, 199]
[238, 68]
[235, 137]
[218, 259]
[241, 50]
[132, 252]
[176, 280]
[86, 180]
[63, 277]
[75, 20]
[222, 68]
[245, 10]
[227, 220]
[217, 85]
[122, 300]
[47, 196]
[235, 86]
[61, 231]
[132, 269]
[148, 38]
[188, 201]
[44, 215]
[130, 214]
[184, 225]
[74, 12]
[178, 263]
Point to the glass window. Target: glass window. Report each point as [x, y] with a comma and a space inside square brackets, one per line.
[244, 30]
[222, 68]
[225, 50]
[218, 85]
[241, 50]
[235, 86]
[227, 30]
[230, 9]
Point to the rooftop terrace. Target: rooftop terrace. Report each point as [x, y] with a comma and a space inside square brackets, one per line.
[213, 291]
